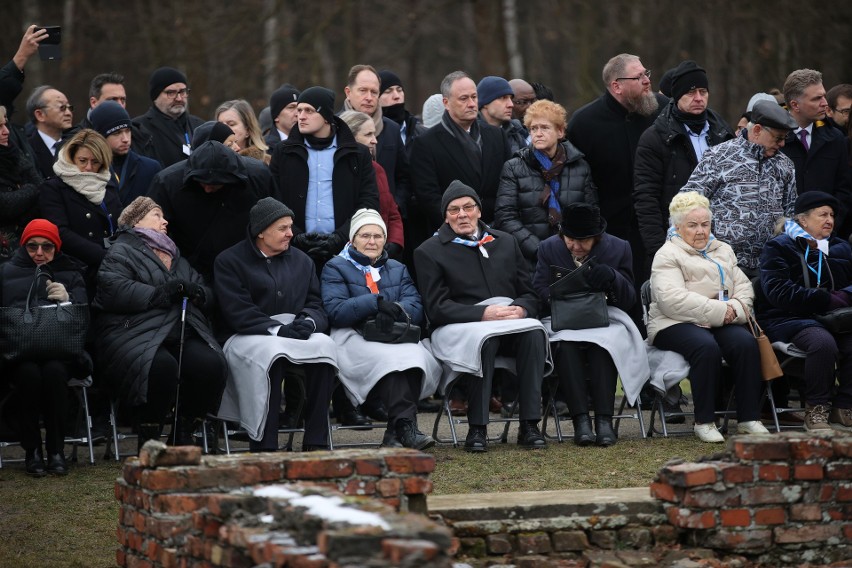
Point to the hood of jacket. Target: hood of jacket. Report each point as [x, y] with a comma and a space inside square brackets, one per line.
[214, 164]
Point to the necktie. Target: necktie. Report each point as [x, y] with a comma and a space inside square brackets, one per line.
[803, 136]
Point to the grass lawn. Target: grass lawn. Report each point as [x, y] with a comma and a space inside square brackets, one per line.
[71, 521]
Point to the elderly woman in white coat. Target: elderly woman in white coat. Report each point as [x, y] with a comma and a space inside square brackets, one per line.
[362, 283]
[700, 302]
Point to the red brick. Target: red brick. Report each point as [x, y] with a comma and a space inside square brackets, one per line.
[140, 522]
[844, 492]
[175, 455]
[121, 536]
[219, 503]
[806, 533]
[319, 468]
[360, 487]
[811, 471]
[839, 470]
[415, 462]
[774, 516]
[710, 499]
[137, 562]
[684, 518]
[368, 467]
[398, 551]
[773, 472]
[120, 557]
[166, 528]
[417, 486]
[162, 480]
[389, 487]
[664, 492]
[153, 550]
[737, 473]
[847, 531]
[842, 446]
[391, 502]
[805, 512]
[168, 558]
[826, 492]
[810, 448]
[690, 474]
[248, 475]
[131, 472]
[664, 534]
[178, 504]
[751, 540]
[270, 470]
[759, 450]
[761, 494]
[735, 517]
[534, 543]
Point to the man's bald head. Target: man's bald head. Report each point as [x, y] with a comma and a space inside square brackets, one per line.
[524, 97]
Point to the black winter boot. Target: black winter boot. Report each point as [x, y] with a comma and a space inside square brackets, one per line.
[147, 432]
[606, 435]
[583, 435]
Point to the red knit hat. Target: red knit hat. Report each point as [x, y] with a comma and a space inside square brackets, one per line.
[42, 228]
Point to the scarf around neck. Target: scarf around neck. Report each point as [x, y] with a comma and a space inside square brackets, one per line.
[91, 185]
[321, 143]
[471, 142]
[551, 170]
[376, 116]
[370, 272]
[157, 240]
[795, 231]
[694, 122]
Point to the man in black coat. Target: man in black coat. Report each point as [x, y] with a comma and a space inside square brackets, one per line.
[669, 150]
[459, 148]
[607, 132]
[53, 117]
[323, 175]
[459, 267]
[819, 152]
[168, 121]
[282, 108]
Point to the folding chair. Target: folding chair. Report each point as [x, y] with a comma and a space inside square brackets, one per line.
[116, 436]
[453, 421]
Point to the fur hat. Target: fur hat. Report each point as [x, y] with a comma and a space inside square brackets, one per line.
[42, 228]
[265, 212]
[455, 190]
[366, 217]
[162, 78]
[108, 118]
[581, 221]
[491, 88]
[137, 209]
[321, 99]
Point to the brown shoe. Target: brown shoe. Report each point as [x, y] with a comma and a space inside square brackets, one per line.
[494, 405]
[458, 407]
[841, 419]
[816, 417]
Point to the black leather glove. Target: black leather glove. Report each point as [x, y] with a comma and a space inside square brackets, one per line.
[394, 251]
[391, 309]
[601, 277]
[333, 244]
[304, 241]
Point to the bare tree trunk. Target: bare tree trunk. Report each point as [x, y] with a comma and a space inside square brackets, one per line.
[510, 24]
[271, 46]
[32, 15]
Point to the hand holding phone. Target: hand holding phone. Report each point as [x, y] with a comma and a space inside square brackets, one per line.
[49, 47]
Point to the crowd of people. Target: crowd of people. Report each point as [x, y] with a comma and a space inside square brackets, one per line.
[285, 260]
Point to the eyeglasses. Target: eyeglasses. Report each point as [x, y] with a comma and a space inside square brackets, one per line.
[46, 247]
[60, 108]
[523, 102]
[843, 111]
[775, 136]
[371, 236]
[646, 74]
[455, 209]
[174, 93]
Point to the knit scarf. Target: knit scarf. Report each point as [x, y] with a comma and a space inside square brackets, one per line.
[694, 122]
[395, 112]
[370, 272]
[377, 116]
[795, 231]
[486, 238]
[91, 185]
[162, 245]
[471, 142]
[551, 170]
[321, 143]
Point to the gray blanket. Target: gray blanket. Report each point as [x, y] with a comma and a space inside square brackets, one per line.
[363, 363]
[668, 369]
[622, 341]
[246, 396]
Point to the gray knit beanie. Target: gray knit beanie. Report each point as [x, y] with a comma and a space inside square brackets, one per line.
[455, 190]
[265, 212]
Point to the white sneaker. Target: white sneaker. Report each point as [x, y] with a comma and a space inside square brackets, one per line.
[752, 427]
[708, 433]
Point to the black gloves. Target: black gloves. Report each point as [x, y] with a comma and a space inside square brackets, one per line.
[394, 251]
[195, 293]
[300, 328]
[389, 312]
[170, 292]
[319, 246]
[601, 277]
[334, 244]
[303, 241]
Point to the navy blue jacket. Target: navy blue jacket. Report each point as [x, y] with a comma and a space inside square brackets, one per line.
[349, 302]
[134, 176]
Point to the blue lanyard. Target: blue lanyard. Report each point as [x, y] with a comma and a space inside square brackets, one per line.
[108, 216]
[718, 266]
[818, 271]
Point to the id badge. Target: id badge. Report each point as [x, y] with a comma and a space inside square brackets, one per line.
[187, 149]
[723, 295]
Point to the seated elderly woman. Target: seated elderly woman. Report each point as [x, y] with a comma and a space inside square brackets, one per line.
[144, 346]
[698, 308]
[607, 350]
[41, 385]
[806, 271]
[362, 283]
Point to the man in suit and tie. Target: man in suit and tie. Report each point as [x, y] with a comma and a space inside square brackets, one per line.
[51, 114]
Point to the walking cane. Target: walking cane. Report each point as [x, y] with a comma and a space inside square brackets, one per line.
[180, 363]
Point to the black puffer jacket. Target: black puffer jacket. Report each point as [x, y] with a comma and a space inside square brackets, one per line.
[663, 163]
[518, 210]
[19, 182]
[129, 329]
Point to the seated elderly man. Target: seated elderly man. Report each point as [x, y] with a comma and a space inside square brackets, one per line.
[476, 289]
[272, 314]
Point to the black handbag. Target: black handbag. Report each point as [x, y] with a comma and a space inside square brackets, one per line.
[401, 332]
[56, 331]
[573, 304]
[837, 321]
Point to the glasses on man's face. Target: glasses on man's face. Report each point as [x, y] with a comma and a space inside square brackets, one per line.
[174, 93]
[46, 247]
[455, 209]
[61, 108]
[774, 134]
[371, 237]
[523, 102]
[843, 111]
[646, 74]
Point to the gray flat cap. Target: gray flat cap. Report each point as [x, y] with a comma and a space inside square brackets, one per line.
[769, 114]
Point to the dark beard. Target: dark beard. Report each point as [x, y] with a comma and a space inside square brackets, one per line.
[645, 104]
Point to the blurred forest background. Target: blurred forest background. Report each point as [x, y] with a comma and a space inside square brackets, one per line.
[246, 49]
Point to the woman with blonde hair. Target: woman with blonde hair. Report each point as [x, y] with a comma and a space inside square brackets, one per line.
[700, 301]
[239, 115]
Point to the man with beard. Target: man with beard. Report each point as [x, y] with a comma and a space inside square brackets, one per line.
[167, 122]
[670, 150]
[607, 132]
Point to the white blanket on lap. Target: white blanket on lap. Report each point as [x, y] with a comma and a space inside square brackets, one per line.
[246, 396]
[364, 363]
[668, 368]
[458, 346]
[622, 341]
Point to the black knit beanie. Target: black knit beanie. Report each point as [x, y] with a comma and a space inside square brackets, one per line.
[162, 78]
[280, 98]
[455, 190]
[108, 118]
[211, 130]
[687, 76]
[388, 79]
[321, 99]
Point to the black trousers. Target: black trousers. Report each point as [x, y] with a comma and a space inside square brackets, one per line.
[586, 369]
[318, 380]
[704, 348]
[400, 392]
[41, 390]
[827, 356]
[529, 349]
[202, 380]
